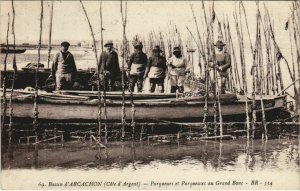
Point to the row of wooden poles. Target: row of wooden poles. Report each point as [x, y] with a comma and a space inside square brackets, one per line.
[267, 80]
[10, 126]
[267, 59]
[125, 55]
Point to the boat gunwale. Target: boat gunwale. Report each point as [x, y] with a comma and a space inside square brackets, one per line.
[168, 102]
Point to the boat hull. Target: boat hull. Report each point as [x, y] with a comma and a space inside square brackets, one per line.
[157, 110]
[12, 51]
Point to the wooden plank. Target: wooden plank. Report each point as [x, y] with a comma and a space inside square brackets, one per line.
[188, 124]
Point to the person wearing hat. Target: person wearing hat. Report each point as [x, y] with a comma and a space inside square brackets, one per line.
[63, 68]
[109, 65]
[136, 67]
[178, 69]
[222, 64]
[156, 70]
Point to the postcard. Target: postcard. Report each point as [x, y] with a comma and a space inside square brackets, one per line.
[150, 95]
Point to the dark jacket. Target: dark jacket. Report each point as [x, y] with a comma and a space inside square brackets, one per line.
[159, 66]
[137, 58]
[224, 62]
[109, 61]
[63, 64]
[137, 63]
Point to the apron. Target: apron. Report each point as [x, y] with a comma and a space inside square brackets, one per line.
[137, 69]
[156, 72]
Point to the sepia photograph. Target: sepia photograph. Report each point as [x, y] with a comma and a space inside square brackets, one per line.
[150, 95]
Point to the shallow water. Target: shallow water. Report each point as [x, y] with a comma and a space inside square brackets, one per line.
[207, 156]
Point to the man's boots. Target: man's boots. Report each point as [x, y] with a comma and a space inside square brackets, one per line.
[223, 85]
[152, 87]
[173, 89]
[180, 89]
[213, 87]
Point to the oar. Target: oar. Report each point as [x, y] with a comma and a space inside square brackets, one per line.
[288, 87]
[50, 94]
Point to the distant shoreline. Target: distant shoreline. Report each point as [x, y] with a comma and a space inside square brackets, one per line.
[35, 46]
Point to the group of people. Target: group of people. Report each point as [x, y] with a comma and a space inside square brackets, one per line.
[141, 67]
[155, 67]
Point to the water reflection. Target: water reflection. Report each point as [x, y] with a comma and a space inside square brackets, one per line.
[237, 155]
[133, 155]
[36, 156]
[220, 155]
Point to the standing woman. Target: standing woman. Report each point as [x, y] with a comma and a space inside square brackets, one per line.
[179, 68]
[156, 70]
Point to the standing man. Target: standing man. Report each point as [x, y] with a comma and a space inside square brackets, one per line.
[223, 63]
[136, 66]
[109, 66]
[63, 68]
[156, 70]
[178, 69]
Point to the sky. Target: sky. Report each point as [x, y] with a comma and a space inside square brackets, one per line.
[69, 22]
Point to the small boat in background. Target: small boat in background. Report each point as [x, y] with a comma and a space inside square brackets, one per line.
[12, 51]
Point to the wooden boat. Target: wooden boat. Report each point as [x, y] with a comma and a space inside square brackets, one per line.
[69, 107]
[26, 78]
[12, 51]
[118, 95]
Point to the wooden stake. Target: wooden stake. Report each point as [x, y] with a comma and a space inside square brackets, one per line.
[259, 56]
[236, 72]
[35, 110]
[241, 46]
[50, 34]
[270, 80]
[278, 52]
[202, 51]
[101, 25]
[98, 69]
[4, 77]
[199, 37]
[14, 75]
[254, 75]
[102, 96]
[124, 21]
[100, 144]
